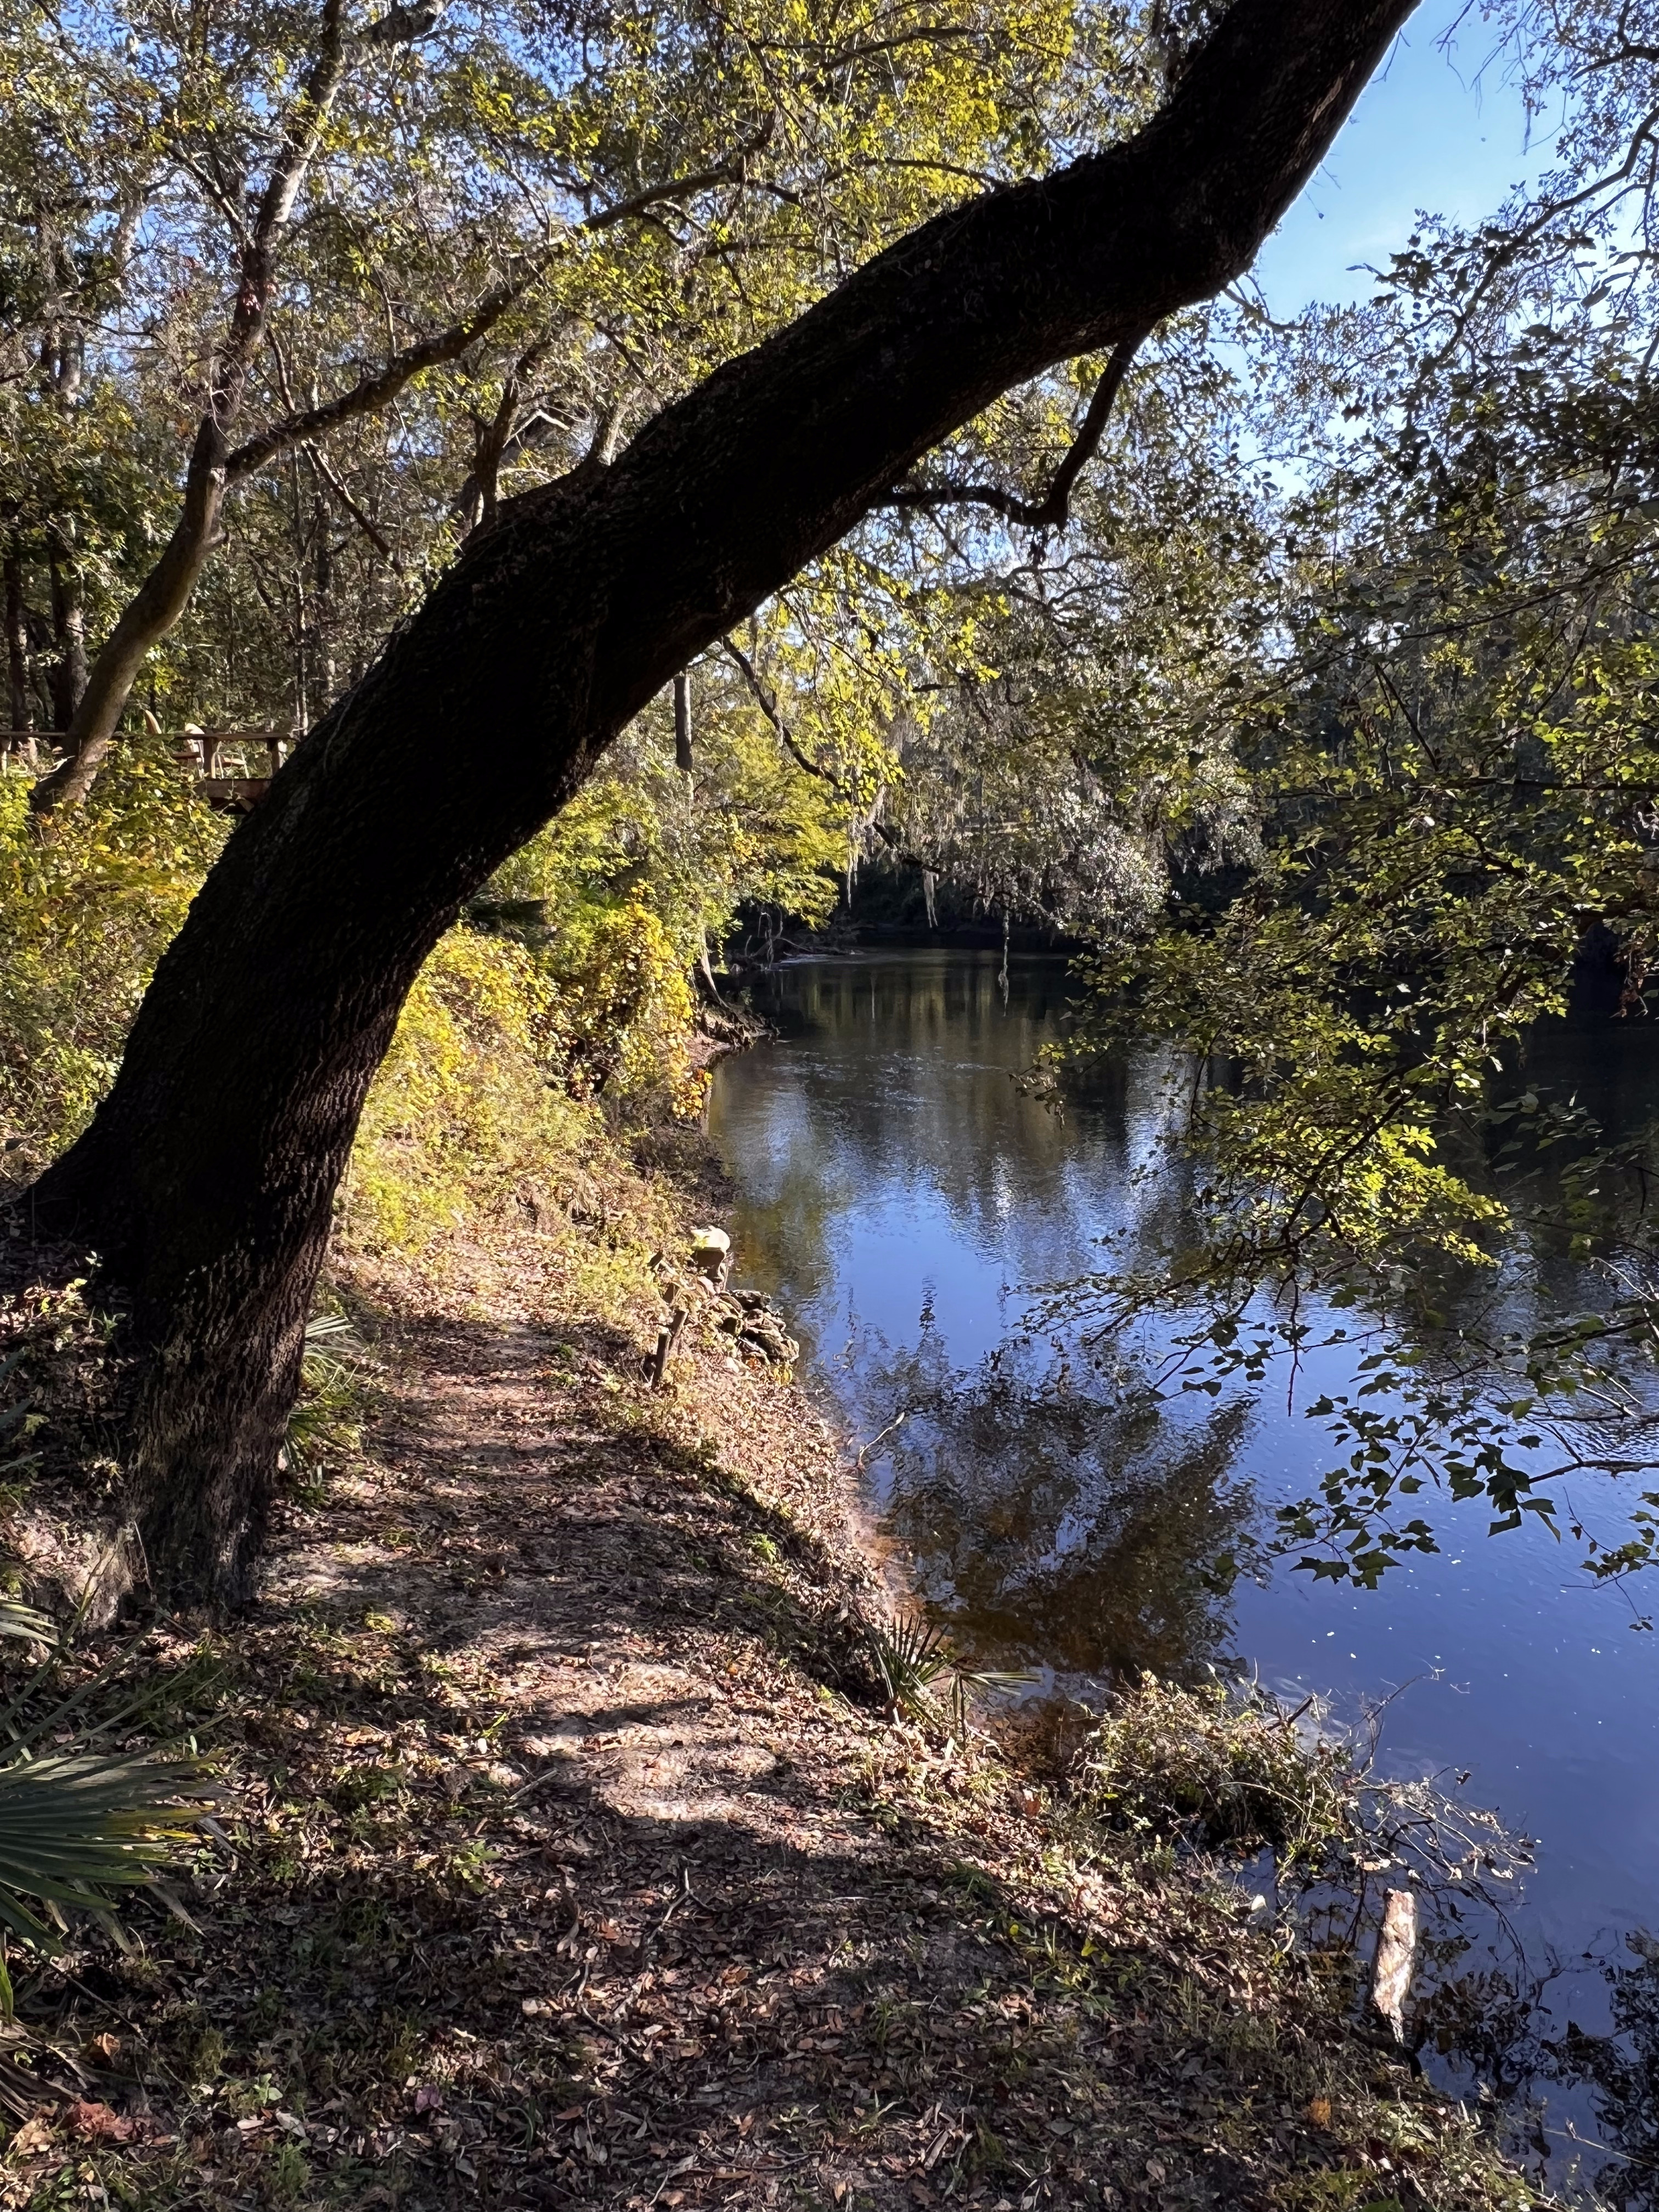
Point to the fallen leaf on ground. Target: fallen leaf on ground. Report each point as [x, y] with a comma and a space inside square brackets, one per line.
[96, 2123]
[34, 2136]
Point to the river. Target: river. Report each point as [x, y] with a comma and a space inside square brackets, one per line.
[898, 1195]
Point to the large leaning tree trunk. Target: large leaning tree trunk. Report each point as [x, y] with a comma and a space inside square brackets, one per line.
[206, 1180]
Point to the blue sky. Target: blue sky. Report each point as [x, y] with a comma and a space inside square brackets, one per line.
[1433, 131]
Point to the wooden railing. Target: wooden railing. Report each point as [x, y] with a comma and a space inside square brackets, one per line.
[200, 752]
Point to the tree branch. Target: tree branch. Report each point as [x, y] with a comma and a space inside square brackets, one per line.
[769, 707]
[1622, 179]
[733, 170]
[1054, 510]
[302, 134]
[371, 529]
[374, 391]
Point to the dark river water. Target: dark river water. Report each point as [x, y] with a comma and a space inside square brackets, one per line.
[898, 1196]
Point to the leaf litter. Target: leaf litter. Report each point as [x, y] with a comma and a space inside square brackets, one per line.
[572, 1853]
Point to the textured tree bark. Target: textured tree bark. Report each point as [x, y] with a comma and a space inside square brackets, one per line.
[207, 1178]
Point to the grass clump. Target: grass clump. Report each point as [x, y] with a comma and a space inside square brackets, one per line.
[1217, 1770]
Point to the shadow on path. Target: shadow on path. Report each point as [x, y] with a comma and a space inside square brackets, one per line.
[564, 1872]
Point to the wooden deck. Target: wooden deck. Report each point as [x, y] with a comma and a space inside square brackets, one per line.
[200, 752]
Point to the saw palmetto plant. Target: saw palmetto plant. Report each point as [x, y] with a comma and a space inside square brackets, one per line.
[330, 1394]
[83, 1817]
[914, 1660]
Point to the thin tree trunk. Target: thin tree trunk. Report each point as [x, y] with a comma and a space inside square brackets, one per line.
[68, 623]
[20, 707]
[165, 592]
[148, 617]
[684, 759]
[215, 467]
[207, 1177]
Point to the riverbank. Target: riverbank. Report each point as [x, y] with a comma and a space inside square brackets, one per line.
[562, 1862]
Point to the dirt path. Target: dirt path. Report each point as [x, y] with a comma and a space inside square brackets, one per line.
[561, 1871]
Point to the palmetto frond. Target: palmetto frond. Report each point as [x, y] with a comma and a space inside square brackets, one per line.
[79, 1823]
[76, 1829]
[909, 1656]
[913, 1655]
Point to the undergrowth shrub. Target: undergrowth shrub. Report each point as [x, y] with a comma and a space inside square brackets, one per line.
[1217, 1770]
[84, 917]
[487, 1095]
[336, 1393]
[470, 1127]
[642, 873]
[468, 1105]
[623, 1012]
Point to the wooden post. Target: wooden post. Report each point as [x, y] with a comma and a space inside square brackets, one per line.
[668, 1337]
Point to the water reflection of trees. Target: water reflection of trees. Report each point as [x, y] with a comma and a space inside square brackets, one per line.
[1622, 2067]
[1058, 1526]
[1058, 1520]
[1060, 1523]
[1506, 2030]
[912, 1068]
